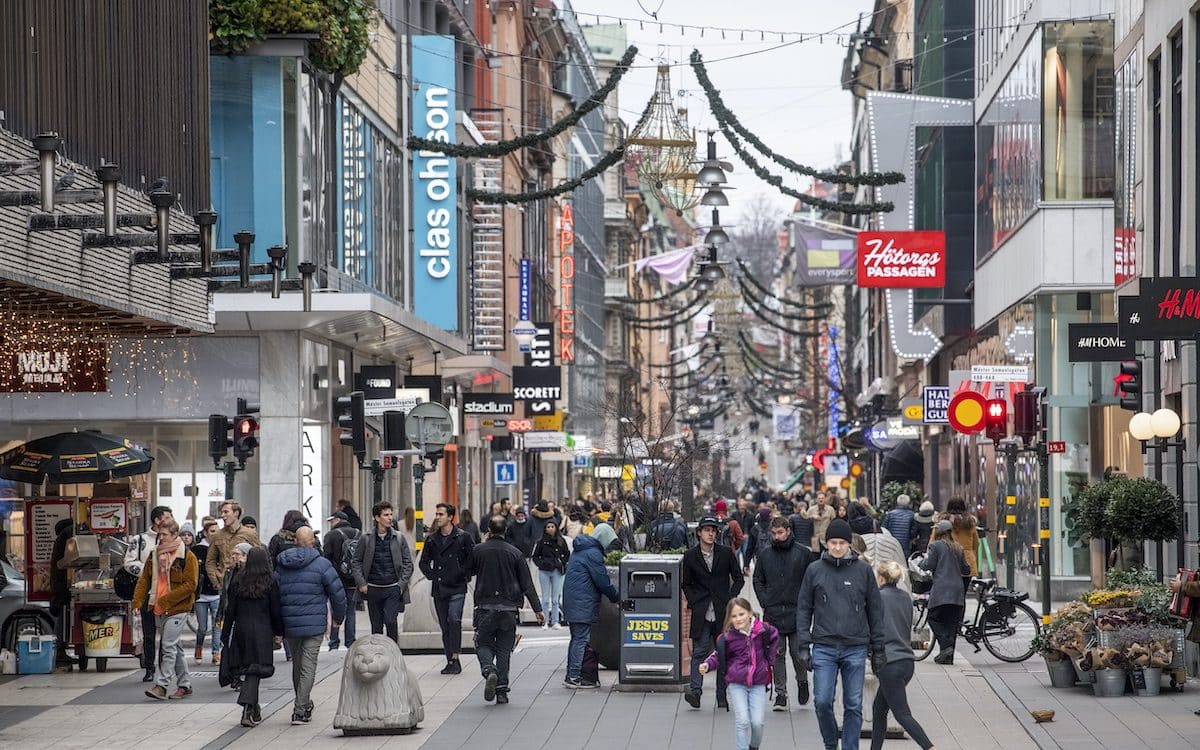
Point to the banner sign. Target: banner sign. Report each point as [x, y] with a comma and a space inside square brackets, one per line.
[41, 516]
[654, 629]
[902, 260]
[524, 288]
[1098, 342]
[376, 381]
[69, 369]
[786, 420]
[537, 387]
[1166, 309]
[435, 184]
[545, 440]
[489, 404]
[823, 257]
[912, 411]
[1000, 373]
[936, 402]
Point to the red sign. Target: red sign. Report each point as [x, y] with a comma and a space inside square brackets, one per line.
[1125, 249]
[902, 260]
[1056, 446]
[566, 286]
[967, 412]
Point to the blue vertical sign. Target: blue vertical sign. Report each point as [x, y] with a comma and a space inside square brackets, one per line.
[526, 281]
[435, 214]
[835, 384]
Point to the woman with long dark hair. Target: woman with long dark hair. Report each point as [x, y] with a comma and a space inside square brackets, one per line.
[550, 555]
[947, 599]
[285, 538]
[253, 626]
[466, 522]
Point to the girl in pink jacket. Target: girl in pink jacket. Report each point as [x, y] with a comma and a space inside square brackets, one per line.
[746, 653]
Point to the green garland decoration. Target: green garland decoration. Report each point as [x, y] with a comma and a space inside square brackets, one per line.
[777, 182]
[485, 196]
[775, 324]
[668, 326]
[725, 117]
[669, 316]
[660, 298]
[751, 299]
[760, 361]
[503, 148]
[748, 275]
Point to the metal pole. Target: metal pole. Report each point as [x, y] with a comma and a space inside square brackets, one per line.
[1010, 512]
[1044, 524]
[1179, 537]
[419, 502]
[376, 482]
[1159, 450]
[230, 469]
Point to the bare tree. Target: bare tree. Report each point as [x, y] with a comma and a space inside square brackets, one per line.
[756, 236]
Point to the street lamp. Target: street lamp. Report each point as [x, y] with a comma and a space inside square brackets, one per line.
[1164, 424]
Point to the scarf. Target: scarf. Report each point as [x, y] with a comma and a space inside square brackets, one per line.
[165, 555]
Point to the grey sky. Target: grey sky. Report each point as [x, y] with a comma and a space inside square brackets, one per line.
[790, 97]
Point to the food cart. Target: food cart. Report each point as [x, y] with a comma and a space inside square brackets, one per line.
[101, 621]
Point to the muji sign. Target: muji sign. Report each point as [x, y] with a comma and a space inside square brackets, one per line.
[902, 260]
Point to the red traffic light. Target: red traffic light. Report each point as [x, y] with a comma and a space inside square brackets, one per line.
[246, 426]
[996, 419]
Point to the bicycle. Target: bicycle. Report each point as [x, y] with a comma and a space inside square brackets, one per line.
[1003, 623]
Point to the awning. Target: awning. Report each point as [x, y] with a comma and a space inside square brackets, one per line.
[903, 463]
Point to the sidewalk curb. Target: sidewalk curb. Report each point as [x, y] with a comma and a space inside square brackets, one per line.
[237, 731]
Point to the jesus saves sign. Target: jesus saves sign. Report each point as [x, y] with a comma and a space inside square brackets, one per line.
[902, 260]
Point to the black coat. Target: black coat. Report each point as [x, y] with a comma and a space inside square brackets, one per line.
[519, 536]
[334, 545]
[248, 635]
[352, 517]
[551, 553]
[702, 587]
[778, 574]
[446, 562]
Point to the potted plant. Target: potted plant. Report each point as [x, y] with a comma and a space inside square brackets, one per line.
[1148, 651]
[1140, 510]
[1058, 664]
[1108, 665]
[892, 490]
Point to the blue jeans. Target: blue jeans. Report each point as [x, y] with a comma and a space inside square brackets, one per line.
[550, 582]
[206, 621]
[827, 662]
[749, 706]
[349, 624]
[580, 632]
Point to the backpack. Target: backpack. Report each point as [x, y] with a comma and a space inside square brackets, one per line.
[349, 547]
[762, 642]
[662, 538]
[730, 533]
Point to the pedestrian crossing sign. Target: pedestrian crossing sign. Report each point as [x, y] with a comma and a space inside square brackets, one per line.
[505, 472]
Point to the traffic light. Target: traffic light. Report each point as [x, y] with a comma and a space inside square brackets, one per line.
[219, 442]
[1025, 415]
[394, 438]
[353, 421]
[1129, 383]
[996, 419]
[245, 437]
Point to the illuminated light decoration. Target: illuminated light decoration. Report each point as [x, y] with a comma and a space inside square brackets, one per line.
[856, 469]
[663, 149]
[907, 341]
[566, 286]
[835, 381]
[968, 412]
[1019, 343]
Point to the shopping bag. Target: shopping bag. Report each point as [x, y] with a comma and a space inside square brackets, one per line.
[1183, 605]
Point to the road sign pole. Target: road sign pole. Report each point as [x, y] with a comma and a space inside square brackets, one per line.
[1010, 512]
[231, 469]
[376, 481]
[1044, 524]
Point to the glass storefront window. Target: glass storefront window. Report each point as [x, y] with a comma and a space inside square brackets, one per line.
[1078, 110]
[1125, 185]
[1008, 136]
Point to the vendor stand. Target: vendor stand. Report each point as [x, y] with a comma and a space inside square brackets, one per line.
[102, 623]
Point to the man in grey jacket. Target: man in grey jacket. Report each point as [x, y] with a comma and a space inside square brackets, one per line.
[839, 613]
[382, 568]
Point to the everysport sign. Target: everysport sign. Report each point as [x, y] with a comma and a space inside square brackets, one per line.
[902, 260]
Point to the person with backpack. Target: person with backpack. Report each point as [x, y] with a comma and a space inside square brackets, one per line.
[666, 532]
[338, 549]
[777, 577]
[898, 521]
[446, 562]
[732, 535]
[743, 655]
[711, 577]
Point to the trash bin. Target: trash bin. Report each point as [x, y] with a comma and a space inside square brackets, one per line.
[102, 631]
[651, 631]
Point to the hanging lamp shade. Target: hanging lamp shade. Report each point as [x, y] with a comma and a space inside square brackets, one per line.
[664, 148]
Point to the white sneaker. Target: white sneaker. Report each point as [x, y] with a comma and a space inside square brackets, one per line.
[557, 626]
[545, 625]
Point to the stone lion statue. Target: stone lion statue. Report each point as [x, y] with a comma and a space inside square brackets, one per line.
[379, 695]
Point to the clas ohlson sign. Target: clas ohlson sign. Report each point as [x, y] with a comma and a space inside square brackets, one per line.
[435, 222]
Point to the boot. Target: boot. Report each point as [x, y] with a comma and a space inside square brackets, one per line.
[257, 714]
[149, 676]
[946, 656]
[199, 654]
[247, 716]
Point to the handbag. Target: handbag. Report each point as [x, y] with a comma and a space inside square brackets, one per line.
[124, 584]
[1183, 605]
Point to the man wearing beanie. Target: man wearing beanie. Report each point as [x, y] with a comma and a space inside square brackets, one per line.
[920, 529]
[899, 520]
[839, 614]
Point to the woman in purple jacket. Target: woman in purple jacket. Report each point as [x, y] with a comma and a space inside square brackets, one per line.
[745, 651]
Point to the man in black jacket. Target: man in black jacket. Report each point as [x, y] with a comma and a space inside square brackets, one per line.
[445, 561]
[382, 569]
[778, 573]
[519, 530]
[839, 612]
[501, 580]
[333, 549]
[711, 577]
[352, 517]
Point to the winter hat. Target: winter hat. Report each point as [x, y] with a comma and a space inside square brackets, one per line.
[838, 529]
[943, 526]
[187, 528]
[604, 534]
[721, 506]
[764, 513]
[903, 501]
[249, 521]
[925, 514]
[243, 547]
[709, 521]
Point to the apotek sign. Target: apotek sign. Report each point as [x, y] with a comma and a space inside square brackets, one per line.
[566, 286]
[435, 221]
[901, 260]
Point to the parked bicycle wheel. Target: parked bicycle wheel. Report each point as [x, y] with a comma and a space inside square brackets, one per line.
[1008, 630]
[922, 636]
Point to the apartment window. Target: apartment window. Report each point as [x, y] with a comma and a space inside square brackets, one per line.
[1078, 117]
[1125, 174]
[1176, 151]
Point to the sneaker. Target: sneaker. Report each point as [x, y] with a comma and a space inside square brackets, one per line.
[501, 699]
[692, 698]
[334, 646]
[301, 717]
[544, 626]
[801, 693]
[247, 716]
[557, 626]
[455, 667]
[149, 676]
[180, 693]
[572, 683]
[780, 703]
[588, 684]
[489, 686]
[944, 657]
[158, 693]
